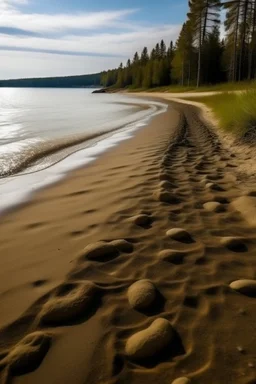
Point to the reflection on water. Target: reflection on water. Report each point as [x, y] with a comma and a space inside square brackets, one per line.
[35, 122]
[38, 123]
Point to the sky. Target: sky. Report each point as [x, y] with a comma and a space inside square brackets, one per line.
[41, 38]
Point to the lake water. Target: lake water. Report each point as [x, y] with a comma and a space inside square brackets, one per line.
[44, 133]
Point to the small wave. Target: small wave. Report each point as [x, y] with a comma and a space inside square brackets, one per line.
[29, 152]
[19, 161]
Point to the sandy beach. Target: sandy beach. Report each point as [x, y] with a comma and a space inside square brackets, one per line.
[136, 269]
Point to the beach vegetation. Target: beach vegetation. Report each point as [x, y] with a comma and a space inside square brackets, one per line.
[236, 112]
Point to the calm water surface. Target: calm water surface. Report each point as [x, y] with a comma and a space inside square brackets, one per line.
[45, 133]
[37, 122]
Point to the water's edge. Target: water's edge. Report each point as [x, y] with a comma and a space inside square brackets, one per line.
[19, 188]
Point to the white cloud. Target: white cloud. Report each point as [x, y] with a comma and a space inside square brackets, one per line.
[31, 64]
[9, 4]
[12, 17]
[61, 22]
[57, 35]
[105, 43]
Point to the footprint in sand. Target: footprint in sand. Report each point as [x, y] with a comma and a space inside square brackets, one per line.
[151, 341]
[27, 355]
[246, 287]
[70, 302]
[180, 235]
[142, 294]
[104, 251]
[234, 244]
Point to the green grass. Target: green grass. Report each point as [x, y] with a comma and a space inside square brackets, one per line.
[243, 85]
[235, 112]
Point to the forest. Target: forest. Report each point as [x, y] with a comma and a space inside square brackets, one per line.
[55, 82]
[201, 55]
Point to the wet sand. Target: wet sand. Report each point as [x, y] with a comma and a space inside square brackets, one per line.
[136, 269]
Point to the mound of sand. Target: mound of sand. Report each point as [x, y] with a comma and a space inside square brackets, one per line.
[214, 187]
[141, 294]
[179, 234]
[246, 287]
[246, 205]
[235, 244]
[102, 250]
[172, 256]
[28, 354]
[141, 220]
[214, 206]
[166, 197]
[182, 380]
[71, 301]
[99, 250]
[122, 245]
[150, 341]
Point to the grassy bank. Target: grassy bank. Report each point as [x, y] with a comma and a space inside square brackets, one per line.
[235, 112]
[225, 87]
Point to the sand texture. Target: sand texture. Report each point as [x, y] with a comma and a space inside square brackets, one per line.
[138, 269]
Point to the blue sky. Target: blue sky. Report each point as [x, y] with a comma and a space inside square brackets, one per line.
[64, 37]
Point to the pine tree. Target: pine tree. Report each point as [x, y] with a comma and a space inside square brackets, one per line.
[198, 55]
[156, 73]
[212, 70]
[170, 52]
[144, 56]
[162, 49]
[240, 25]
[232, 28]
[252, 45]
[157, 51]
[184, 55]
[147, 75]
[120, 76]
[244, 14]
[136, 58]
[153, 54]
[203, 15]
[169, 57]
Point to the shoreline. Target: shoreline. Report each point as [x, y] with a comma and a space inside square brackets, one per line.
[18, 216]
[162, 206]
[80, 156]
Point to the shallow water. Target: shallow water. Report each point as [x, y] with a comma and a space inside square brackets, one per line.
[44, 133]
[38, 122]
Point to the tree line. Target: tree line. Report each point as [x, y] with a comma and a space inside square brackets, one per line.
[55, 82]
[200, 55]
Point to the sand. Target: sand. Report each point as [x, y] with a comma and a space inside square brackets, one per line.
[137, 269]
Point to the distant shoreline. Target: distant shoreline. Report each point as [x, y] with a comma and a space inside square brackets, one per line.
[79, 81]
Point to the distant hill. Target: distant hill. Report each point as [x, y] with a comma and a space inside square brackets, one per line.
[55, 82]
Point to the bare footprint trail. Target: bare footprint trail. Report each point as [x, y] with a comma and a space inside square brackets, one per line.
[174, 298]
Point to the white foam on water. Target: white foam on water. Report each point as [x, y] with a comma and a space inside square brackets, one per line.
[19, 188]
